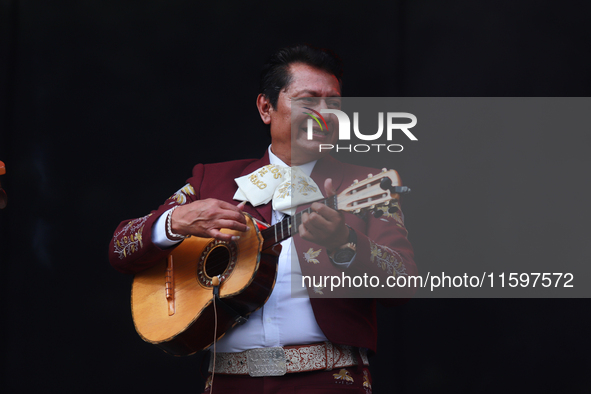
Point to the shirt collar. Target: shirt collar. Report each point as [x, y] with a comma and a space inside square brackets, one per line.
[306, 168]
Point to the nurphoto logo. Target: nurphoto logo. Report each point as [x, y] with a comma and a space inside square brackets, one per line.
[345, 130]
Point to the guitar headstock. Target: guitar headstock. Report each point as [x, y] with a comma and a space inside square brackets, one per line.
[375, 190]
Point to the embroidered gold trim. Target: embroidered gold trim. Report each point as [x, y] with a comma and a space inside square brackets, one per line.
[366, 383]
[304, 187]
[132, 239]
[386, 258]
[318, 290]
[343, 375]
[311, 254]
[208, 384]
[180, 197]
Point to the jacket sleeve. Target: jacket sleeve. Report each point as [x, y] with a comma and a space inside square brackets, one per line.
[383, 250]
[131, 249]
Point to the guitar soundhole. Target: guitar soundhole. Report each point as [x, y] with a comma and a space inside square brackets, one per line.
[217, 261]
[218, 258]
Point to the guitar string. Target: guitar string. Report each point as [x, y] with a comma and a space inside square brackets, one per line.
[215, 330]
[331, 202]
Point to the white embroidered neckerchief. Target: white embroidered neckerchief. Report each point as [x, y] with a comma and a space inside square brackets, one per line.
[288, 187]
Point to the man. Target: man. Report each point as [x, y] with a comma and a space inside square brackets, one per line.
[326, 340]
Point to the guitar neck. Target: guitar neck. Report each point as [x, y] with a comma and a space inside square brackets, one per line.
[366, 194]
[288, 227]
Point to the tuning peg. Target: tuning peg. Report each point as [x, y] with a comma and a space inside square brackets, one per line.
[369, 175]
[384, 170]
[357, 211]
[400, 189]
[385, 183]
[377, 213]
[393, 209]
[356, 181]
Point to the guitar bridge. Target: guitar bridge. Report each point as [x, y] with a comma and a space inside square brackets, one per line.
[169, 287]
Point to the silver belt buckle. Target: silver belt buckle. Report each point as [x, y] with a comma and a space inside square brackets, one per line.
[268, 361]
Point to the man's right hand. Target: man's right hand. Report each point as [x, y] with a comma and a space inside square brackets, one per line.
[205, 219]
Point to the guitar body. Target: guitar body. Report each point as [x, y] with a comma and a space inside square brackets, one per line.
[172, 302]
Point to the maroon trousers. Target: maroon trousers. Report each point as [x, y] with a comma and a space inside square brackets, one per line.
[355, 379]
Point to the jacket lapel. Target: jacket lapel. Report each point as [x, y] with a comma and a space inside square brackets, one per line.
[262, 212]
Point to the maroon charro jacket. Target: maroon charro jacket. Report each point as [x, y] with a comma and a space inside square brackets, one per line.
[382, 246]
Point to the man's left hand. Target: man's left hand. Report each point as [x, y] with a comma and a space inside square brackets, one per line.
[324, 226]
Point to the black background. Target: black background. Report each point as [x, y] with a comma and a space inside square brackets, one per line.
[107, 105]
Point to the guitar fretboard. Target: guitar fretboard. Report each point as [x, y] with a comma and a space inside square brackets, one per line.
[289, 226]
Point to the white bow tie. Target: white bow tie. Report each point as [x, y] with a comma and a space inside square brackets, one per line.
[288, 187]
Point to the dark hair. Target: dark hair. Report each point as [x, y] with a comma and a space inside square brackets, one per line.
[275, 75]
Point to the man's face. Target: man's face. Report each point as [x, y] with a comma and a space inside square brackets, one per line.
[310, 88]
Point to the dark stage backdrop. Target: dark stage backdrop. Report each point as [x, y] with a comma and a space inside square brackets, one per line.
[107, 105]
